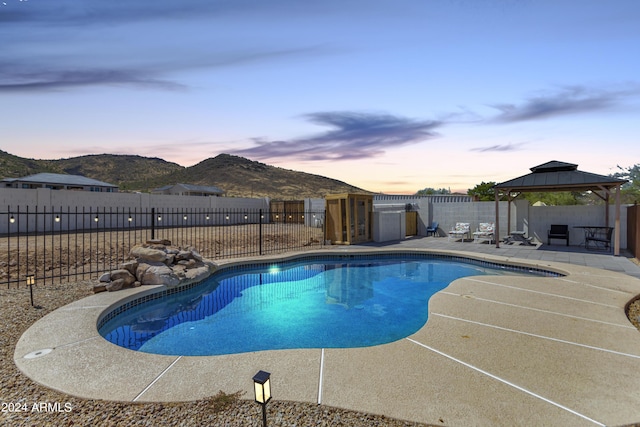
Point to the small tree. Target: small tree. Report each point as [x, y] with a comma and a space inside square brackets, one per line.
[556, 198]
[431, 191]
[630, 192]
[483, 191]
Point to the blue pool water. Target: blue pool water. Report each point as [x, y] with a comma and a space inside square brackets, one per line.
[319, 304]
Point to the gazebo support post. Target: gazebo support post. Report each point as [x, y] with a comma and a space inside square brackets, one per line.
[616, 243]
[606, 210]
[607, 192]
[497, 229]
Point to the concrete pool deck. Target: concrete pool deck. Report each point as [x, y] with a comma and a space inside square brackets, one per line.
[496, 350]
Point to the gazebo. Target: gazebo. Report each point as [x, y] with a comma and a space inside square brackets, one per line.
[560, 176]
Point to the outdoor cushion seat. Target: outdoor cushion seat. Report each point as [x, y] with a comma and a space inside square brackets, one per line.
[460, 231]
[433, 229]
[558, 232]
[485, 232]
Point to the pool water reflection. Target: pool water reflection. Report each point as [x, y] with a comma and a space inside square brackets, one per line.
[329, 304]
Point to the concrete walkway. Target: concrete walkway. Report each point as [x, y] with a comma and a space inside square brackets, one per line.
[496, 350]
[576, 255]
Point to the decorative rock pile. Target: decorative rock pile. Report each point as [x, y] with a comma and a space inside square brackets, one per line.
[157, 263]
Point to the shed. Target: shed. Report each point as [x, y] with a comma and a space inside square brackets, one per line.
[348, 218]
[561, 176]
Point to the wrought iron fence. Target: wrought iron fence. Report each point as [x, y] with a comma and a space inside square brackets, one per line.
[63, 245]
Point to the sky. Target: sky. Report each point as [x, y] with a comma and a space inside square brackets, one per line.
[389, 96]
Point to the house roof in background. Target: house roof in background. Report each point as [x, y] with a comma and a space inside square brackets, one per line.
[61, 179]
[202, 188]
[191, 187]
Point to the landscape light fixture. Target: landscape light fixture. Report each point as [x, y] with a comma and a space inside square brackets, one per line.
[184, 217]
[227, 217]
[96, 219]
[206, 218]
[31, 280]
[262, 389]
[246, 216]
[57, 218]
[12, 219]
[159, 218]
[130, 219]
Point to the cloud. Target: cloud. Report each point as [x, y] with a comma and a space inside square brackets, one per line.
[569, 100]
[35, 75]
[499, 147]
[67, 44]
[101, 12]
[354, 136]
[64, 79]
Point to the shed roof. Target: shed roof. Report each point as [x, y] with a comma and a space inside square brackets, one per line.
[558, 176]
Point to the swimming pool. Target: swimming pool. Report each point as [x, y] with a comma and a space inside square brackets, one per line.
[318, 302]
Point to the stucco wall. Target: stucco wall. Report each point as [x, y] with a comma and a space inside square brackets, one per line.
[541, 218]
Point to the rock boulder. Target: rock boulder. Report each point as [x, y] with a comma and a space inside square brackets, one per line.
[157, 263]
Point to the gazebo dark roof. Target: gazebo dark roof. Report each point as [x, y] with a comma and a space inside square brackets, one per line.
[559, 176]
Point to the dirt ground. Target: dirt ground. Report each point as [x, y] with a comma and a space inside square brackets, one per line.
[69, 257]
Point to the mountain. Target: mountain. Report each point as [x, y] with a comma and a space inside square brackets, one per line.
[242, 177]
[128, 172]
[13, 166]
[238, 176]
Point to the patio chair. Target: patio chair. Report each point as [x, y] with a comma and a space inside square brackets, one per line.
[600, 239]
[433, 229]
[558, 232]
[484, 232]
[460, 231]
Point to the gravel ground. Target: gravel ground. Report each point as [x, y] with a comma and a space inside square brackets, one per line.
[21, 398]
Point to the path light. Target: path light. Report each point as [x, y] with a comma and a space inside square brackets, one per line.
[12, 219]
[159, 218]
[206, 217]
[57, 218]
[96, 219]
[31, 280]
[130, 219]
[184, 217]
[262, 389]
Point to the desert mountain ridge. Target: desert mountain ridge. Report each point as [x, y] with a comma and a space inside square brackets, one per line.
[238, 176]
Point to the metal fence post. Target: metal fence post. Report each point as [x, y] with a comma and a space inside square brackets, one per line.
[260, 232]
[324, 228]
[153, 223]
